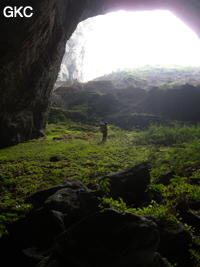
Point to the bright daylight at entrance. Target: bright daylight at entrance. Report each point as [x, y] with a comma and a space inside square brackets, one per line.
[123, 39]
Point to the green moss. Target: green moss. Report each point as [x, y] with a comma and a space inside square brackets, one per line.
[26, 168]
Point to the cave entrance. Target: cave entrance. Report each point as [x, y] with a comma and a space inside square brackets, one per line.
[126, 40]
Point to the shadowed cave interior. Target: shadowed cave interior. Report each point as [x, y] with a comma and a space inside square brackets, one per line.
[69, 197]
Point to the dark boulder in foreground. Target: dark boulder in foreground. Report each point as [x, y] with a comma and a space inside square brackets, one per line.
[66, 228]
[131, 184]
[54, 210]
[107, 239]
[175, 242]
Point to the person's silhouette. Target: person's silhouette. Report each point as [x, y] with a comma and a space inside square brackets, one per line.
[104, 130]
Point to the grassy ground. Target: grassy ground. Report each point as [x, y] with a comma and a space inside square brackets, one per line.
[27, 168]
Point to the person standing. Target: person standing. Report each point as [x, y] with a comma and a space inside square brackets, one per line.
[104, 130]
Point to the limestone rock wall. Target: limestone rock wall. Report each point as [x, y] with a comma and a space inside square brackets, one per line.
[72, 66]
[31, 51]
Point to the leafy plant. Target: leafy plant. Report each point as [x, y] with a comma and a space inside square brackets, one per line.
[167, 136]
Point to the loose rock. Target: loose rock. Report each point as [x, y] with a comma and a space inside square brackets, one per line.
[131, 184]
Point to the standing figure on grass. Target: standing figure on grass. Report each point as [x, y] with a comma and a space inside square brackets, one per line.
[104, 130]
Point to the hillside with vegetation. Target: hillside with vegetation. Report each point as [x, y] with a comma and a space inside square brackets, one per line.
[154, 76]
[158, 97]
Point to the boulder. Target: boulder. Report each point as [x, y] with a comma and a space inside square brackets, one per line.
[194, 181]
[72, 199]
[54, 210]
[165, 178]
[107, 239]
[175, 242]
[189, 212]
[38, 199]
[55, 158]
[131, 184]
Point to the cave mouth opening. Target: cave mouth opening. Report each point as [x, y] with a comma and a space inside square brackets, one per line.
[124, 40]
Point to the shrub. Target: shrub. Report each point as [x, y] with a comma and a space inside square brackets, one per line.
[166, 136]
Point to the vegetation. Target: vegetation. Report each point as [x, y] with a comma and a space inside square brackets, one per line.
[27, 168]
[154, 76]
[126, 103]
[167, 136]
[158, 110]
[177, 191]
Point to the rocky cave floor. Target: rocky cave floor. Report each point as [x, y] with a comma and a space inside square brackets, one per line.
[122, 220]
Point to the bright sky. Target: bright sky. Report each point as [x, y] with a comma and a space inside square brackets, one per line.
[128, 39]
